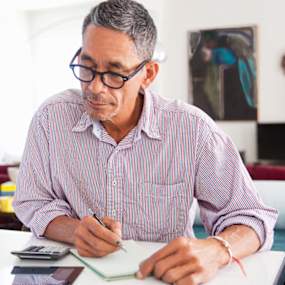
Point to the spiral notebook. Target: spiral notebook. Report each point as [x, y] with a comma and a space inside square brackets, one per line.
[118, 265]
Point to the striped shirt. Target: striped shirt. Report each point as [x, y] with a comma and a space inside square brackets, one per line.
[147, 181]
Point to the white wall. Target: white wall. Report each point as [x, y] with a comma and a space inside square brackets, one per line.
[17, 93]
[40, 37]
[272, 47]
[54, 37]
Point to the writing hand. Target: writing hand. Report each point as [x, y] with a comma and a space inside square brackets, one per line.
[95, 240]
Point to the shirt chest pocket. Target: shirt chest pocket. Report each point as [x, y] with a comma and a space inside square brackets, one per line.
[157, 212]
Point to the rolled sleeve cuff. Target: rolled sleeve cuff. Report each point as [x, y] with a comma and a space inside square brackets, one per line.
[265, 237]
[46, 214]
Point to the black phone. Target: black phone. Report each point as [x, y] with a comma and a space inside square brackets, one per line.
[42, 252]
[280, 277]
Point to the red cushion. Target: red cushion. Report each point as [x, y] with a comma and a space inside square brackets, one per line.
[4, 173]
[4, 178]
[4, 167]
[266, 172]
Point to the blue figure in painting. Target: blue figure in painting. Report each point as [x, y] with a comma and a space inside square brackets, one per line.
[230, 79]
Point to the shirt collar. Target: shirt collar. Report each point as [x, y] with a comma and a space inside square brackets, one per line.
[147, 122]
[84, 122]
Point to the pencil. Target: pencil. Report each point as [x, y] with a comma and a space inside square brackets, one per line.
[119, 243]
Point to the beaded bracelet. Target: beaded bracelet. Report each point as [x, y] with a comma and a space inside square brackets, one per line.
[227, 246]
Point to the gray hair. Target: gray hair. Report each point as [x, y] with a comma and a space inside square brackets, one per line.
[129, 17]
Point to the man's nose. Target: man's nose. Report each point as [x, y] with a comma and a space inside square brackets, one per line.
[96, 85]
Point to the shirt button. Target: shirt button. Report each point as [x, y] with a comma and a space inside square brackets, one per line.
[113, 212]
[114, 183]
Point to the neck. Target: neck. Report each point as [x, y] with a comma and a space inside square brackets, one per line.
[119, 128]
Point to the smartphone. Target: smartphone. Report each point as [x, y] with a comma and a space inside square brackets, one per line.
[42, 252]
[280, 277]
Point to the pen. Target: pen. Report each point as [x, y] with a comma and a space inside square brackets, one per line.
[102, 224]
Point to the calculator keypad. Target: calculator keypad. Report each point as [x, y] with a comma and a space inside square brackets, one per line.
[46, 249]
[42, 252]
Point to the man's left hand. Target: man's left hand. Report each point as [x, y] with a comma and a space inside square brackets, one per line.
[185, 261]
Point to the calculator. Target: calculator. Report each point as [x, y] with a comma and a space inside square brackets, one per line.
[42, 252]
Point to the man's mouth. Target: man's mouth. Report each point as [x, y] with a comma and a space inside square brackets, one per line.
[96, 104]
[96, 101]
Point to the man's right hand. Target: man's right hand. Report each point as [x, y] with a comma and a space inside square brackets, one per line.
[94, 240]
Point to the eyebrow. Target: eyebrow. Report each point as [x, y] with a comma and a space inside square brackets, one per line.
[111, 64]
[86, 57]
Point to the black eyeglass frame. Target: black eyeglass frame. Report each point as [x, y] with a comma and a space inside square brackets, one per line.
[125, 78]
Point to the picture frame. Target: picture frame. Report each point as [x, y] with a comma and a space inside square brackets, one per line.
[223, 72]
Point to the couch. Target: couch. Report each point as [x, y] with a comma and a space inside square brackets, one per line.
[262, 171]
[8, 221]
[272, 193]
[4, 173]
[4, 176]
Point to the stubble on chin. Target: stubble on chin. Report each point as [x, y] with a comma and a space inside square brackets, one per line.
[99, 116]
[93, 114]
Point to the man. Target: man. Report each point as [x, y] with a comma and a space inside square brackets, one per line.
[137, 160]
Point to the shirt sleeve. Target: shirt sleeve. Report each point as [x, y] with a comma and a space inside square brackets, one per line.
[35, 203]
[226, 193]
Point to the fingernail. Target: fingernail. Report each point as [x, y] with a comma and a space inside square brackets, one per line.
[139, 275]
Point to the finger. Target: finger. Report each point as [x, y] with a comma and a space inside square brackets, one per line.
[179, 272]
[173, 261]
[113, 225]
[148, 265]
[191, 279]
[101, 245]
[85, 250]
[100, 231]
[93, 241]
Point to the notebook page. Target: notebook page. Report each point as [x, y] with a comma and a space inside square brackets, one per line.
[119, 264]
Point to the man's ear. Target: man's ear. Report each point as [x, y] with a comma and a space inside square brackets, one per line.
[152, 69]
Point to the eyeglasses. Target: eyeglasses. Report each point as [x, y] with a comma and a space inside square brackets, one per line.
[110, 79]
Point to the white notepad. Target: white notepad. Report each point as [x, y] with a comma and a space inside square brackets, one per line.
[117, 265]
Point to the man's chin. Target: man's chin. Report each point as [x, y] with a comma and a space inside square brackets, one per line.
[100, 114]
[97, 116]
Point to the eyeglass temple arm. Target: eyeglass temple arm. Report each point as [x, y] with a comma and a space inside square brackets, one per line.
[136, 71]
[76, 54]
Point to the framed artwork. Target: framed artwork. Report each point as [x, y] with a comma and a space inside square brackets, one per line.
[222, 64]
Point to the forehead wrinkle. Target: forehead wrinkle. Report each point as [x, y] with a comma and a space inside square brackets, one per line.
[85, 57]
[108, 64]
[110, 49]
[116, 64]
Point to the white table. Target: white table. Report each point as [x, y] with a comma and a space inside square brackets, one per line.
[261, 268]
